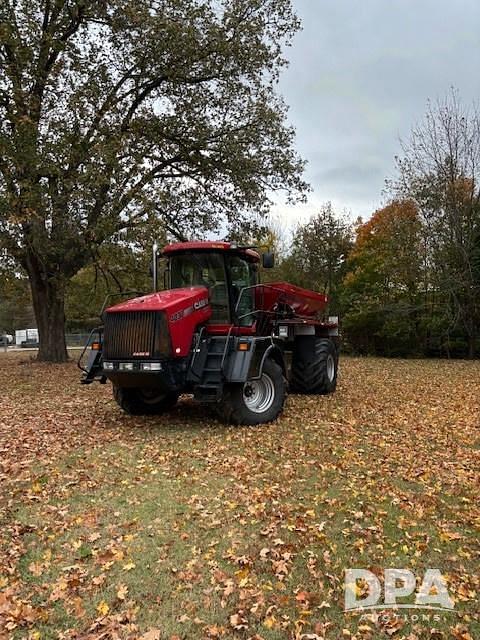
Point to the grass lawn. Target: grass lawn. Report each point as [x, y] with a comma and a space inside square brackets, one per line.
[179, 527]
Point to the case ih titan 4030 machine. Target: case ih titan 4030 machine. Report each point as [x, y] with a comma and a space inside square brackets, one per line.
[218, 333]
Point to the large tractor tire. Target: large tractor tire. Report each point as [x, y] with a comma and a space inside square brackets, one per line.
[255, 401]
[144, 402]
[314, 366]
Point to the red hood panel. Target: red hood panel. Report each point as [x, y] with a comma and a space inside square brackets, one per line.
[185, 310]
[162, 300]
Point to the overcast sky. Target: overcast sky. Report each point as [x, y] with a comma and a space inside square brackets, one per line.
[360, 74]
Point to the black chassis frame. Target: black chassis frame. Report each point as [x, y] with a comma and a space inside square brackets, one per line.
[185, 374]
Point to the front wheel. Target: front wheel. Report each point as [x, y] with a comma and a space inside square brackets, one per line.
[143, 401]
[256, 400]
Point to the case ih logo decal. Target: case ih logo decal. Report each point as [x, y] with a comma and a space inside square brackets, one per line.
[199, 304]
[141, 353]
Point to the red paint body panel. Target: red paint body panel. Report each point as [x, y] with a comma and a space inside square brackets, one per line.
[172, 299]
[178, 247]
[185, 309]
[303, 301]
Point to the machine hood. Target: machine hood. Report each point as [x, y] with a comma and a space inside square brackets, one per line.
[183, 309]
[172, 300]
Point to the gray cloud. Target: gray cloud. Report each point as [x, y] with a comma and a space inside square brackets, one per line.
[360, 75]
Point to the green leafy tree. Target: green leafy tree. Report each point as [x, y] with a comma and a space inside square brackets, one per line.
[319, 252]
[116, 113]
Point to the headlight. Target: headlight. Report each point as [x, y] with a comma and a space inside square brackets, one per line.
[126, 366]
[108, 366]
[152, 366]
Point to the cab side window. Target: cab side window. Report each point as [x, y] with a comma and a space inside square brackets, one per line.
[242, 275]
[213, 276]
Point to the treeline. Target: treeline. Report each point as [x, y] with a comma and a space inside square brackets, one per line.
[398, 289]
[407, 281]
[391, 299]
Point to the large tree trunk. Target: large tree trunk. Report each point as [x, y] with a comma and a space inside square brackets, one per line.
[48, 296]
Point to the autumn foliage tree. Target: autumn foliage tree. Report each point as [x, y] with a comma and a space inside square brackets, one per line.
[440, 171]
[382, 288]
[121, 112]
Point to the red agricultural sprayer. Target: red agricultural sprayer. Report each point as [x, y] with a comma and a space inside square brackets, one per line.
[217, 332]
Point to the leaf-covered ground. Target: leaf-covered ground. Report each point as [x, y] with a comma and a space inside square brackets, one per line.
[180, 527]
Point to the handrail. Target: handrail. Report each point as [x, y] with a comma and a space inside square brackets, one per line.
[225, 348]
[197, 347]
[256, 286]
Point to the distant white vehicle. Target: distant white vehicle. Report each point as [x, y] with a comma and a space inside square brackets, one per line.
[6, 337]
[26, 337]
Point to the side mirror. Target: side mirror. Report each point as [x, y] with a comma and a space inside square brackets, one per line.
[268, 260]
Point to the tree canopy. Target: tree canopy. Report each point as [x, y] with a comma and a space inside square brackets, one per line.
[320, 249]
[121, 112]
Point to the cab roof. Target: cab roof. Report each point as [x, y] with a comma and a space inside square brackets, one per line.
[220, 245]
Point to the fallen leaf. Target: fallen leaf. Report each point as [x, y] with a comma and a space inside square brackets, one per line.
[103, 608]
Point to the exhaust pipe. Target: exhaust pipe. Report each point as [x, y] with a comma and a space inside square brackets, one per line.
[155, 266]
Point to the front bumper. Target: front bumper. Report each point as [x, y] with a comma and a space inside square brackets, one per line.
[168, 375]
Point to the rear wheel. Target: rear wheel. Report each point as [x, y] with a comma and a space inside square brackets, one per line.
[256, 400]
[314, 365]
[138, 402]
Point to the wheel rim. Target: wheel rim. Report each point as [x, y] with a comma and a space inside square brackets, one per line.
[259, 395]
[151, 396]
[330, 368]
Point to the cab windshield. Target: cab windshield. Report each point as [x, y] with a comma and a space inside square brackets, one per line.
[215, 271]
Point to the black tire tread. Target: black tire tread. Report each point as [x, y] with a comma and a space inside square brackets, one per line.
[232, 409]
[309, 366]
[131, 402]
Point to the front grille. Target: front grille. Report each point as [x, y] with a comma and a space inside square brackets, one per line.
[131, 334]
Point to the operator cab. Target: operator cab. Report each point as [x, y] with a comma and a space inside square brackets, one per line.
[227, 272]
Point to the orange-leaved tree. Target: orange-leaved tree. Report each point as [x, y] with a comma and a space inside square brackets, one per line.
[384, 283]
